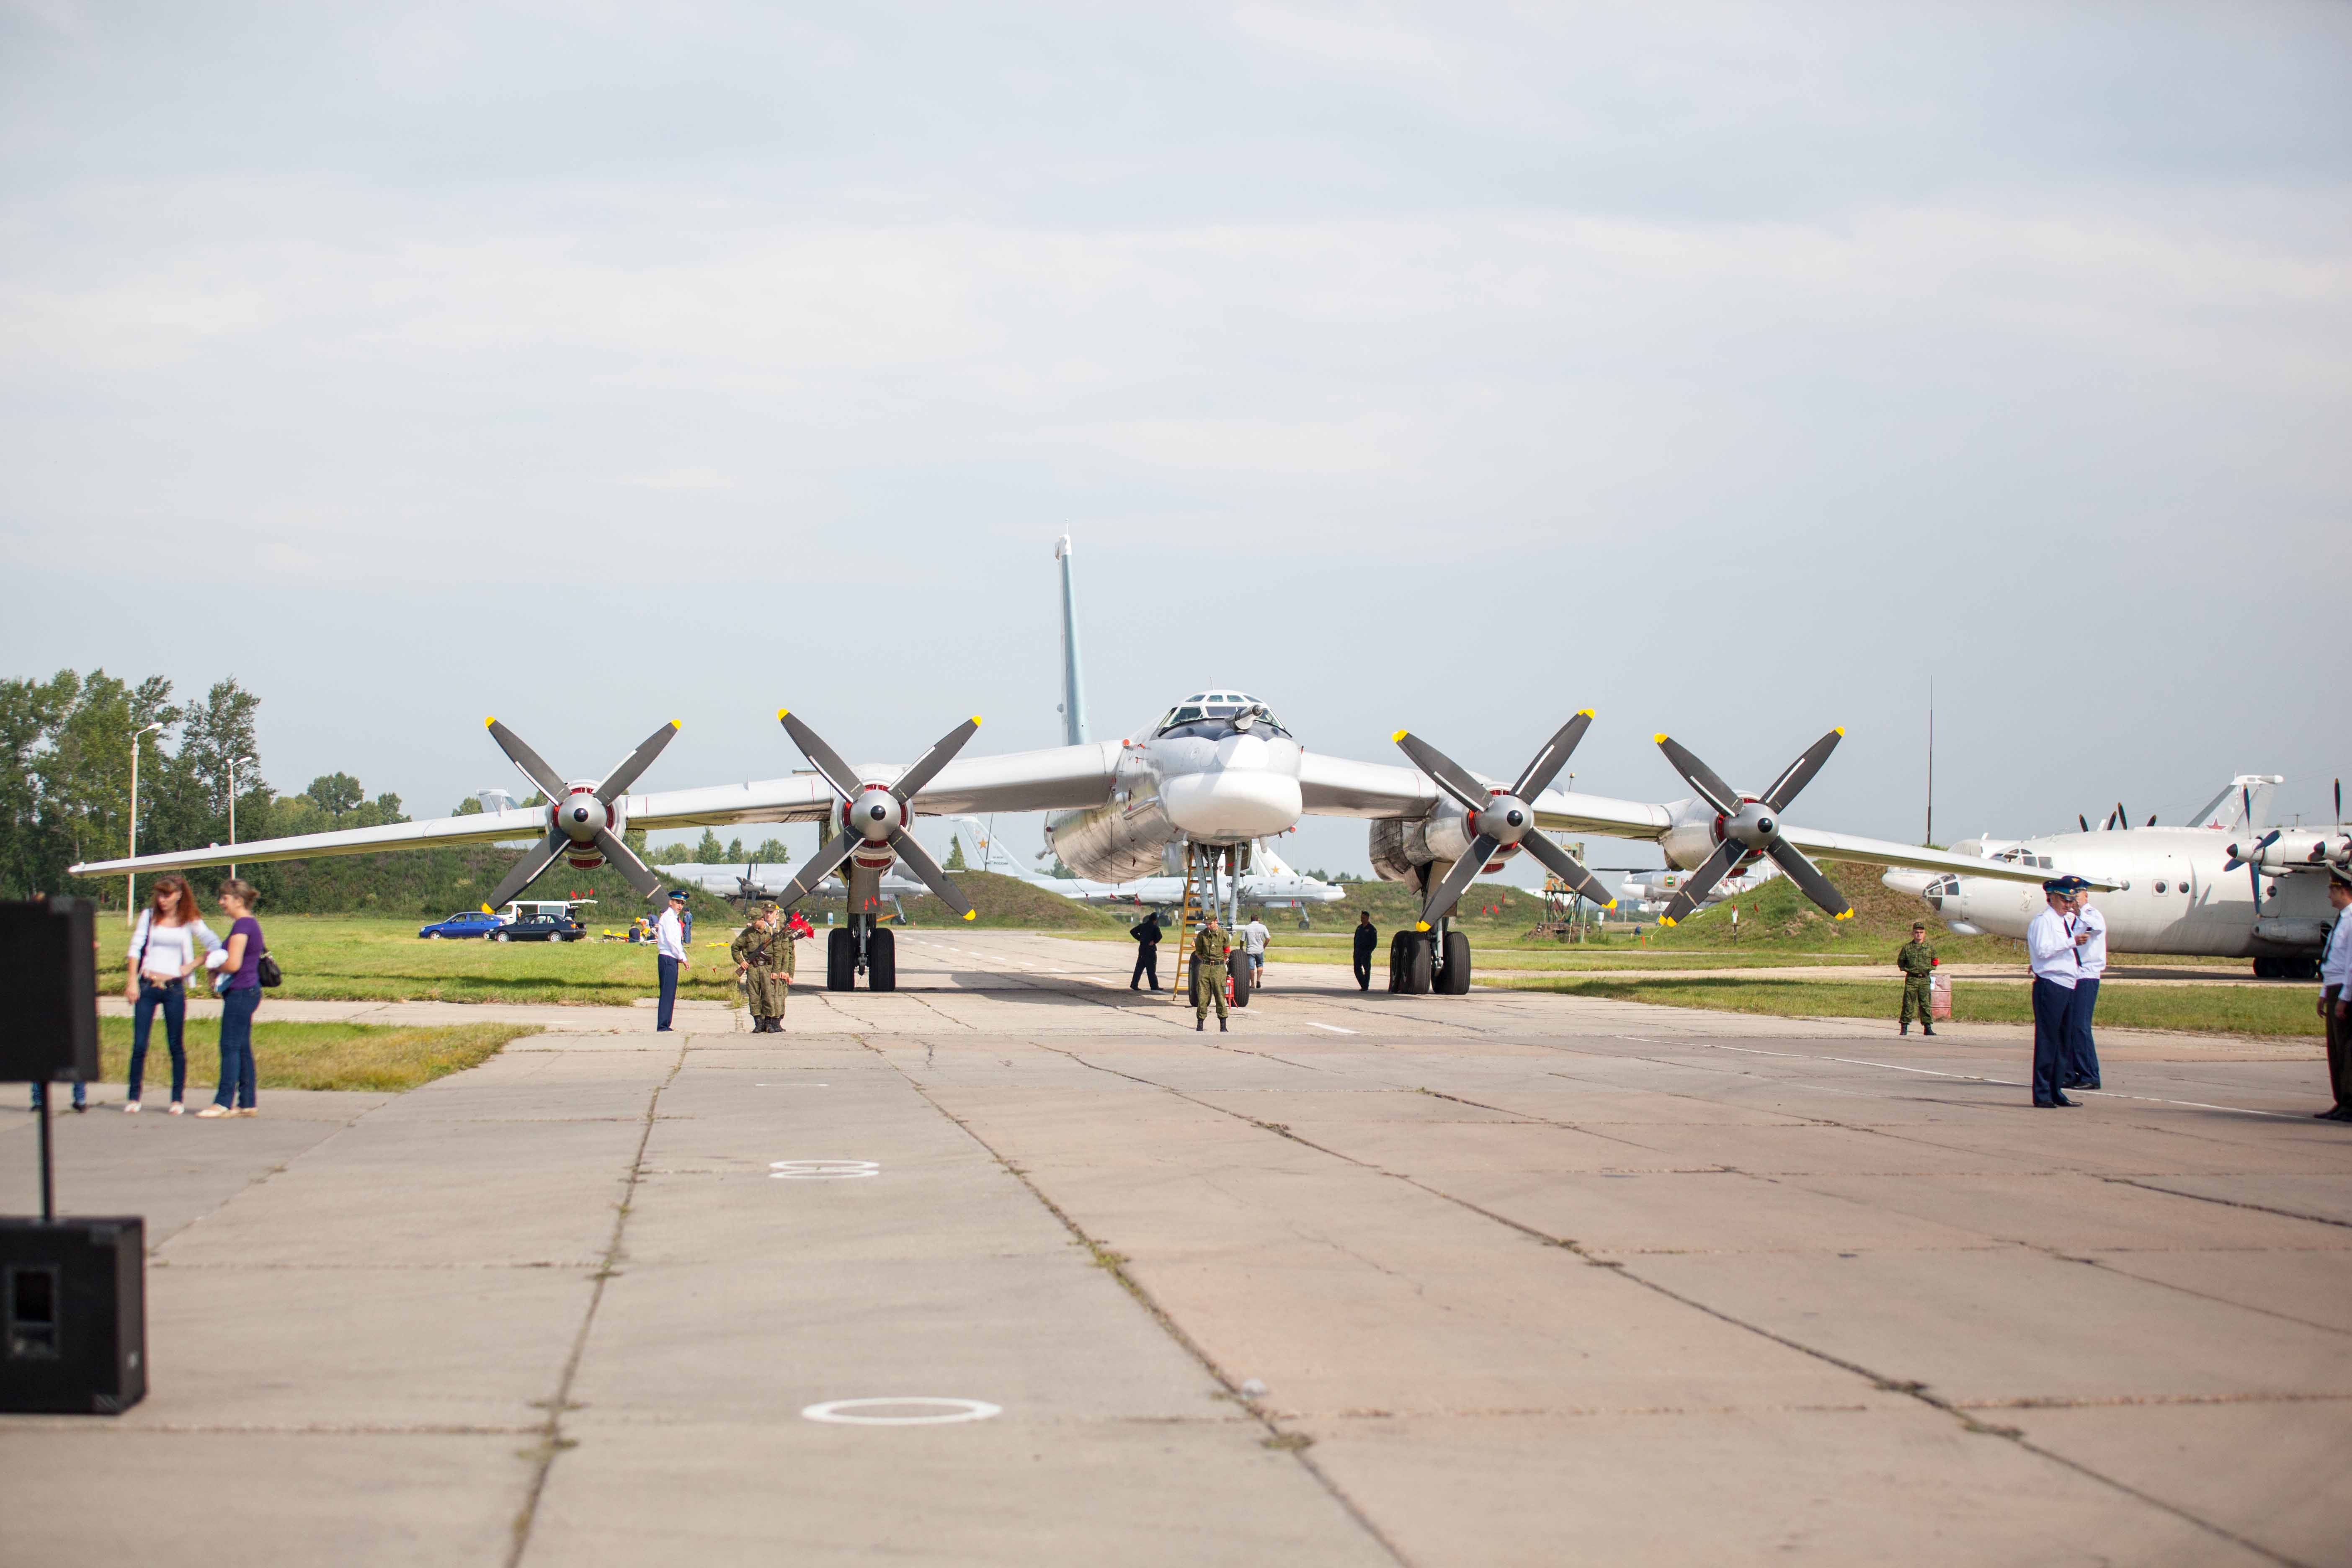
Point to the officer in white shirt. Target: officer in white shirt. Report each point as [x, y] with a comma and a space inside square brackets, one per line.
[1254, 937]
[2051, 943]
[669, 947]
[2081, 1064]
[2336, 996]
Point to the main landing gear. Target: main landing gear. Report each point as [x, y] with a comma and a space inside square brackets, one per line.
[1430, 963]
[862, 947]
[2286, 969]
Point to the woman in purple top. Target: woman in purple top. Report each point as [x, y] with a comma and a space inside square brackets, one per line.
[240, 992]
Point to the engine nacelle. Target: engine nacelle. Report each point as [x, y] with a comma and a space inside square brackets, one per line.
[579, 815]
[1692, 836]
[1121, 841]
[1401, 847]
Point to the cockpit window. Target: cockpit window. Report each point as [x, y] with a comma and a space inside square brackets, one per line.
[1215, 713]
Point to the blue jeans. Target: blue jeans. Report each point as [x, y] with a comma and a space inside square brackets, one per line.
[2052, 1004]
[2082, 1063]
[237, 1047]
[668, 967]
[173, 997]
[82, 1093]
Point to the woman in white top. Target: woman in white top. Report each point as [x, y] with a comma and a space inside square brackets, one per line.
[163, 954]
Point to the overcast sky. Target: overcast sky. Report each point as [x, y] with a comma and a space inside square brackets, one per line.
[1729, 370]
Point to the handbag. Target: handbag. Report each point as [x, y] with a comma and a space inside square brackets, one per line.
[268, 973]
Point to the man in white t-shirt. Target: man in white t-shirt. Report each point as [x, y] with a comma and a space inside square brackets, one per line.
[1254, 937]
[669, 948]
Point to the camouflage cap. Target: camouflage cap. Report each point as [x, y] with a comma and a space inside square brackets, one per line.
[767, 906]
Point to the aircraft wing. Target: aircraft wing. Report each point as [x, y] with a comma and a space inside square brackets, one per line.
[1334, 786]
[1023, 780]
[1846, 846]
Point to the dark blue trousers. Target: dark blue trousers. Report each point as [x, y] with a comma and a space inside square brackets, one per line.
[668, 967]
[2051, 1003]
[237, 1071]
[173, 998]
[2081, 1067]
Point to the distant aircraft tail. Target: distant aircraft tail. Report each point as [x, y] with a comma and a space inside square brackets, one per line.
[1074, 687]
[2243, 806]
[1272, 864]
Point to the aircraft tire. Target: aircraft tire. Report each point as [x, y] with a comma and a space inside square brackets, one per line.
[840, 960]
[1455, 981]
[1238, 967]
[2266, 969]
[1397, 966]
[882, 959]
[1419, 963]
[2301, 968]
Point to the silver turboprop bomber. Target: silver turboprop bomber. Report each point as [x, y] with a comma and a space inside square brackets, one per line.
[1216, 771]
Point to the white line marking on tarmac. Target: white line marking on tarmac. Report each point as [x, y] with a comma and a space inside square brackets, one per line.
[1333, 1027]
[791, 1086]
[849, 1411]
[2005, 1082]
[821, 1170]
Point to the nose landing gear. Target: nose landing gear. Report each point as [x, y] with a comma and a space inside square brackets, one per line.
[862, 947]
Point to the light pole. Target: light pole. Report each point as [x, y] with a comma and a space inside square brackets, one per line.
[130, 882]
[233, 763]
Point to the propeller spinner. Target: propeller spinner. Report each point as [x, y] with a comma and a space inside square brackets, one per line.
[1499, 820]
[874, 817]
[1752, 826]
[583, 823]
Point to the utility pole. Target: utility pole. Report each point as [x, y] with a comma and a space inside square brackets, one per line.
[1929, 841]
[233, 763]
[130, 882]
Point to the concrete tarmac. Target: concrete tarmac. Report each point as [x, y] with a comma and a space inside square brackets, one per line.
[1505, 1278]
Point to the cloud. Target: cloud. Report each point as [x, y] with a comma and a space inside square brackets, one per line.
[1375, 44]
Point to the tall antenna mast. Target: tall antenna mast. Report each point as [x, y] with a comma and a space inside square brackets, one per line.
[1929, 841]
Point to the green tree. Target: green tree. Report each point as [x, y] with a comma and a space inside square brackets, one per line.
[709, 852]
[955, 854]
[734, 852]
[335, 794]
[773, 852]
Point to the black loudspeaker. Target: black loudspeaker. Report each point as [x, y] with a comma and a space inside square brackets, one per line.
[49, 992]
[73, 1316]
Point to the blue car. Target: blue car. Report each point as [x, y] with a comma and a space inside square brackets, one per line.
[473, 922]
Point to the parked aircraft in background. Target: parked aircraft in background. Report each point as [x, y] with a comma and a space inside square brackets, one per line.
[1217, 770]
[2228, 887]
[1653, 892]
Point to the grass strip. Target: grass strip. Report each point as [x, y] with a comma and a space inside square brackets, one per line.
[380, 1058]
[2196, 1009]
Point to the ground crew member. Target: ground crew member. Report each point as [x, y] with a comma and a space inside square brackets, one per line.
[1146, 933]
[1254, 937]
[2336, 996]
[1366, 940]
[1209, 951]
[1917, 959]
[2051, 941]
[764, 966]
[2082, 1055]
[669, 956]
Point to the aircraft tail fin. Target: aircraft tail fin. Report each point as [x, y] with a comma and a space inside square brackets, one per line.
[2242, 807]
[1074, 688]
[1272, 864]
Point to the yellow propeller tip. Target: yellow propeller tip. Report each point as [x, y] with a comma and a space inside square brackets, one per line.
[675, 724]
[783, 712]
[975, 718]
[1841, 730]
[490, 721]
[1665, 921]
[1659, 739]
[1843, 915]
[485, 909]
[1584, 713]
[1609, 905]
[972, 914]
[1420, 925]
[1400, 735]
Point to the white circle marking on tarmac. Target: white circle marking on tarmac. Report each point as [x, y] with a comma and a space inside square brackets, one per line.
[850, 1412]
[821, 1170]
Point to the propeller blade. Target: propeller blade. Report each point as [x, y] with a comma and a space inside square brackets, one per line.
[2123, 817]
[534, 766]
[2083, 820]
[822, 757]
[1564, 866]
[1545, 765]
[1809, 879]
[1801, 773]
[1448, 892]
[2151, 819]
[2339, 800]
[624, 859]
[617, 783]
[1467, 793]
[1699, 776]
[918, 859]
[820, 867]
[1699, 883]
[926, 766]
[527, 869]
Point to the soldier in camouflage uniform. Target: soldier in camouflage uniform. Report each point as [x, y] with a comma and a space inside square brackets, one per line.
[1918, 961]
[764, 964]
[1209, 951]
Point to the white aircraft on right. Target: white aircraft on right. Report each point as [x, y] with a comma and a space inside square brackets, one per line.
[2225, 886]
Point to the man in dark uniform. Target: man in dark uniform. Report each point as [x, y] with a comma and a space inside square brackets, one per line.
[1918, 961]
[2335, 995]
[1146, 933]
[1209, 951]
[1367, 940]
